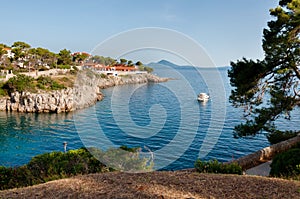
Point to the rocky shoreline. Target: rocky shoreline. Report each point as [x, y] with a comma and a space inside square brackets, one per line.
[86, 92]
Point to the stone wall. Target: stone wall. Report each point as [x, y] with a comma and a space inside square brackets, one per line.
[86, 92]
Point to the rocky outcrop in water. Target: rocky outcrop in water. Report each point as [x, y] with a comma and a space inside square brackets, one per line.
[86, 92]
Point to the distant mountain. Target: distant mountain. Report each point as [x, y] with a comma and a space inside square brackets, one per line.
[170, 64]
[162, 64]
[165, 62]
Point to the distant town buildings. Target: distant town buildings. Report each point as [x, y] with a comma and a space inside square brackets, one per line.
[116, 70]
[39, 61]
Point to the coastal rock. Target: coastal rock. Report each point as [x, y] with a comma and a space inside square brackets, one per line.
[86, 92]
[3, 104]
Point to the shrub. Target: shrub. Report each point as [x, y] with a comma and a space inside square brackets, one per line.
[57, 165]
[286, 164]
[46, 82]
[50, 166]
[279, 136]
[19, 83]
[56, 86]
[213, 166]
[15, 177]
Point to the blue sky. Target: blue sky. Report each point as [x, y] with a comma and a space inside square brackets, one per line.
[227, 30]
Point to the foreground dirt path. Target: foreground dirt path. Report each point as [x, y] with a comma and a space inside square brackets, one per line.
[179, 184]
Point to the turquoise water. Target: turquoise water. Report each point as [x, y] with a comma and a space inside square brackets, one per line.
[165, 118]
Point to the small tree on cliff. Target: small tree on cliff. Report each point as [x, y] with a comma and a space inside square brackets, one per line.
[269, 89]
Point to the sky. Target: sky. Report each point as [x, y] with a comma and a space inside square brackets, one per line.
[226, 30]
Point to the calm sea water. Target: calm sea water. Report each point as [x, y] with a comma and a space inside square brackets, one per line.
[165, 118]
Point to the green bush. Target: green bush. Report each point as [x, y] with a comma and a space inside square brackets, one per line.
[46, 82]
[213, 166]
[15, 177]
[286, 164]
[19, 83]
[50, 166]
[279, 136]
[57, 165]
[57, 86]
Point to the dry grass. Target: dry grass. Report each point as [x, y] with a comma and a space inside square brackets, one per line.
[180, 184]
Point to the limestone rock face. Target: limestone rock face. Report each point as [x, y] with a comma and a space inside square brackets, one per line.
[86, 92]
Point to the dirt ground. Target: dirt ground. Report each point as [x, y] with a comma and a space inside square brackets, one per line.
[161, 184]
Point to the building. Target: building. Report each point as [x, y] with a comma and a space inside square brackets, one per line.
[9, 53]
[115, 70]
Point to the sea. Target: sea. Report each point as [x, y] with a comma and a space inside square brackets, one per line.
[164, 119]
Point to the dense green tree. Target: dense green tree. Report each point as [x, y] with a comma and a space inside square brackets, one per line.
[80, 57]
[41, 56]
[130, 63]
[108, 61]
[123, 61]
[139, 63]
[18, 53]
[269, 89]
[64, 57]
[20, 50]
[20, 44]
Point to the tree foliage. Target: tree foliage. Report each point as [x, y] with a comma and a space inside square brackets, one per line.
[20, 44]
[64, 57]
[123, 61]
[80, 57]
[107, 61]
[269, 89]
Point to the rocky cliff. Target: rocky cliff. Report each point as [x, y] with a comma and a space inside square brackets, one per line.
[86, 92]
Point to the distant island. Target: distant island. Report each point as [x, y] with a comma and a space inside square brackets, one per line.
[38, 80]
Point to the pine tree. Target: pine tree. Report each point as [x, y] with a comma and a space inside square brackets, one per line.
[269, 89]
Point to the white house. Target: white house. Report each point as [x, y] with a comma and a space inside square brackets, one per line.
[9, 54]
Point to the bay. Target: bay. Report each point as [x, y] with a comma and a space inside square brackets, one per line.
[165, 118]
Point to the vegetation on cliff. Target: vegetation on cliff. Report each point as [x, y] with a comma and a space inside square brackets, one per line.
[22, 83]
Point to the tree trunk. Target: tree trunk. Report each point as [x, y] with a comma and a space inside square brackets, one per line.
[266, 154]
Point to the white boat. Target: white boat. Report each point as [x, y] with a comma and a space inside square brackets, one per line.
[203, 97]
